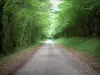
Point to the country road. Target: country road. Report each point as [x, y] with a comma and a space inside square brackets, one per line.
[51, 59]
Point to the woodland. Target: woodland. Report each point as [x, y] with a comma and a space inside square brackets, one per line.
[25, 22]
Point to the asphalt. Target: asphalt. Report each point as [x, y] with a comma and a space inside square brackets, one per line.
[51, 59]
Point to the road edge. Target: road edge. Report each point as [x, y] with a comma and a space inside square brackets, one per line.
[17, 62]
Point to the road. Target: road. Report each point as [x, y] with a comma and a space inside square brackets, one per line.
[51, 59]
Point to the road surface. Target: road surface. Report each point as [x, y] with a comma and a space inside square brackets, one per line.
[51, 59]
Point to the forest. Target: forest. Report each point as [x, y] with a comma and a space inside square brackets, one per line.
[25, 22]
[22, 23]
[79, 18]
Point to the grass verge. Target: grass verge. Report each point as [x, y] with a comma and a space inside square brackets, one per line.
[86, 49]
[88, 45]
[10, 63]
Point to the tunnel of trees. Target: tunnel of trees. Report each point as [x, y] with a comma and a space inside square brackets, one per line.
[25, 22]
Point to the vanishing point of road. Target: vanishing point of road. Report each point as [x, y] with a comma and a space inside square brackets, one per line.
[51, 59]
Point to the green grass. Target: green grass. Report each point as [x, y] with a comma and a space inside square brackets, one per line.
[89, 45]
[19, 51]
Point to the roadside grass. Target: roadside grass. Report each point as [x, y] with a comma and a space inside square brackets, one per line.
[88, 45]
[19, 51]
[14, 60]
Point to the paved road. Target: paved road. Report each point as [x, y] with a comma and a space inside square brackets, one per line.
[53, 60]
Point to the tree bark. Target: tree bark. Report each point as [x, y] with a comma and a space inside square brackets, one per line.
[1, 24]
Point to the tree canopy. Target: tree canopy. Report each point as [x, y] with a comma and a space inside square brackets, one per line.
[24, 22]
[78, 18]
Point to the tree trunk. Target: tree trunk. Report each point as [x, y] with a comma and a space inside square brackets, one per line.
[1, 24]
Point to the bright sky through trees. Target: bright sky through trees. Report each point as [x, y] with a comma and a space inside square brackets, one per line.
[55, 8]
[55, 4]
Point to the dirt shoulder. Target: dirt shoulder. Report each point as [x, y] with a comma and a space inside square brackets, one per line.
[85, 57]
[9, 64]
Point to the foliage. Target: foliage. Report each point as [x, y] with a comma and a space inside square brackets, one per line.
[78, 18]
[23, 23]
